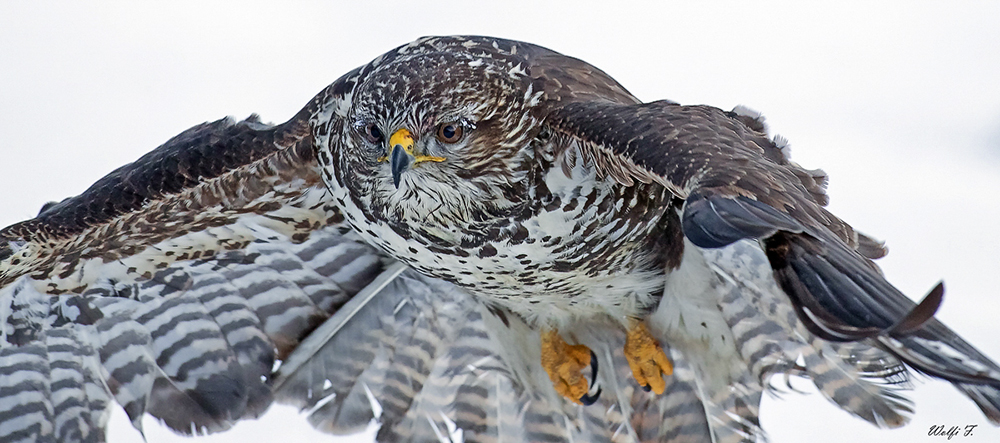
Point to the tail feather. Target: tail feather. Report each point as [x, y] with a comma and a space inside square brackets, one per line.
[844, 298]
[676, 416]
[986, 397]
[771, 339]
[879, 404]
[469, 372]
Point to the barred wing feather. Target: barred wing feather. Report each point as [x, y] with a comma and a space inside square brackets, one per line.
[187, 297]
[214, 276]
[431, 363]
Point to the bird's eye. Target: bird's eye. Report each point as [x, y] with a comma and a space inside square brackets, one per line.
[372, 133]
[450, 132]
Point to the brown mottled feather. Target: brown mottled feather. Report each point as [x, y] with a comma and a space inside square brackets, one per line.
[227, 230]
[702, 148]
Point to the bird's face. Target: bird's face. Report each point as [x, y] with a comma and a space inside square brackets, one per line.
[440, 138]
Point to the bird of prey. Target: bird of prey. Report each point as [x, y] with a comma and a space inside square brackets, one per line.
[468, 238]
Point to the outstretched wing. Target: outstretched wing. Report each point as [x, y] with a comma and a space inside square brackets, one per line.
[172, 284]
[186, 285]
[736, 183]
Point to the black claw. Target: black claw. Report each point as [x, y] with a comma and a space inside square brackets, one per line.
[588, 399]
[647, 388]
[593, 368]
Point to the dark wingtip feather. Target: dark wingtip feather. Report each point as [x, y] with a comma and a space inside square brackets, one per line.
[839, 297]
[920, 314]
[719, 220]
[986, 397]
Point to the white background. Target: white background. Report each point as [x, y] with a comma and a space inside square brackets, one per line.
[898, 101]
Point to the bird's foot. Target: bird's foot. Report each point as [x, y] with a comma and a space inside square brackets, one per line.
[646, 358]
[565, 363]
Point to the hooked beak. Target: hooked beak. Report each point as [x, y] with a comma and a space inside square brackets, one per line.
[400, 160]
[401, 156]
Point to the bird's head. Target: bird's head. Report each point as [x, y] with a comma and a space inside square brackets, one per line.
[440, 135]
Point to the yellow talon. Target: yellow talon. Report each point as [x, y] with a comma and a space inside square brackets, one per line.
[646, 358]
[564, 363]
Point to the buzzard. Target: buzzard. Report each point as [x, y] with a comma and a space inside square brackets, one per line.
[467, 238]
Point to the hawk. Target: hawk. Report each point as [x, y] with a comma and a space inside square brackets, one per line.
[467, 238]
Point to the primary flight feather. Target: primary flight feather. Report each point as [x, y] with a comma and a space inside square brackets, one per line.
[564, 244]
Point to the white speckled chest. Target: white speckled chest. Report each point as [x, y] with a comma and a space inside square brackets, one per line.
[589, 247]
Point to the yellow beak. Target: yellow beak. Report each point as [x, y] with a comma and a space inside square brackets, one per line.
[401, 155]
[404, 139]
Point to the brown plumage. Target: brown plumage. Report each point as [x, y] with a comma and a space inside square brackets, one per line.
[564, 203]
